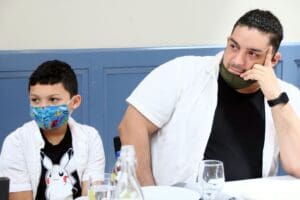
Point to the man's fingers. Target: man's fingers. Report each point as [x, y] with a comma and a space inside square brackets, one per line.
[268, 61]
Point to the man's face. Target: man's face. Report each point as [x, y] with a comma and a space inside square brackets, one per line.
[245, 47]
[48, 95]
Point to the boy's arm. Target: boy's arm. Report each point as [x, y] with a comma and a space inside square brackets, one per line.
[84, 188]
[13, 166]
[24, 195]
[96, 161]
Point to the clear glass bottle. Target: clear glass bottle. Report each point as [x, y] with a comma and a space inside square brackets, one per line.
[115, 174]
[128, 186]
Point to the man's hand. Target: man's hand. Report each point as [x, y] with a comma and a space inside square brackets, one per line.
[265, 76]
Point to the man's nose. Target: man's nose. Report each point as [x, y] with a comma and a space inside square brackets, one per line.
[239, 59]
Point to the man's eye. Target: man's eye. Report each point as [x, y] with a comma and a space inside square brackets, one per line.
[233, 46]
[252, 54]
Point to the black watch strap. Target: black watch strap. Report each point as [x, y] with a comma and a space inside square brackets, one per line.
[282, 99]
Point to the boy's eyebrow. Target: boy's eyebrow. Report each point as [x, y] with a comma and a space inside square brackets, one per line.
[250, 49]
[51, 95]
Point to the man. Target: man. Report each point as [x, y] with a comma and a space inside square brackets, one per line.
[229, 107]
[52, 157]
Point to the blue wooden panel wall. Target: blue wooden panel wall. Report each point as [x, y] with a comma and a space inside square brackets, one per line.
[106, 77]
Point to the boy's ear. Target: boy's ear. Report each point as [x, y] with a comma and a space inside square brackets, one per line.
[76, 101]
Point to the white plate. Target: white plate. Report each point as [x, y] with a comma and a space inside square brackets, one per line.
[168, 192]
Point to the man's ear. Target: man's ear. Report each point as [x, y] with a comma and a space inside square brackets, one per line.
[276, 58]
[76, 101]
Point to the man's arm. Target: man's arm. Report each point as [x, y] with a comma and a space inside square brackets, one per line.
[24, 195]
[287, 123]
[135, 129]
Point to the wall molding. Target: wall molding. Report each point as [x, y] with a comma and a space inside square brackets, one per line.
[106, 77]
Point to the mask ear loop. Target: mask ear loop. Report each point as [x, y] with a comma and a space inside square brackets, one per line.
[77, 103]
[68, 102]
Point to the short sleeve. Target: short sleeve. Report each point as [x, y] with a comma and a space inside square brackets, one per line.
[13, 164]
[96, 157]
[156, 96]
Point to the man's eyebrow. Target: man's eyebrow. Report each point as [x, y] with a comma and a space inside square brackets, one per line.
[249, 49]
[235, 42]
[257, 50]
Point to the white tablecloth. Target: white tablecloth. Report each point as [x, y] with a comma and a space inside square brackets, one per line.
[270, 188]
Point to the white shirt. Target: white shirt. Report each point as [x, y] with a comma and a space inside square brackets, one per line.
[180, 97]
[20, 157]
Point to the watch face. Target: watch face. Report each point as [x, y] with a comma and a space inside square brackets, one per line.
[284, 98]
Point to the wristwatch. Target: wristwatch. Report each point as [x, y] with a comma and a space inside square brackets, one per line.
[282, 99]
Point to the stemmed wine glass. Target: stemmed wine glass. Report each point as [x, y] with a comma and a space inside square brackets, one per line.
[211, 178]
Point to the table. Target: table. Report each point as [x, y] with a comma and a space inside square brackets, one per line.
[273, 188]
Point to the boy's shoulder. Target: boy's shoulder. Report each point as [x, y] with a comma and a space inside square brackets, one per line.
[23, 135]
[27, 128]
[80, 128]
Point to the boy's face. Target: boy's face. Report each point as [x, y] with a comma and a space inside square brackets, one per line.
[49, 95]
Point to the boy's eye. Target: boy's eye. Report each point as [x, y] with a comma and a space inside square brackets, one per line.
[54, 100]
[34, 100]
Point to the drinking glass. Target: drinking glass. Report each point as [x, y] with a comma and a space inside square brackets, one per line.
[104, 190]
[211, 178]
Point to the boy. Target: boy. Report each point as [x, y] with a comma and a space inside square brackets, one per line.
[53, 156]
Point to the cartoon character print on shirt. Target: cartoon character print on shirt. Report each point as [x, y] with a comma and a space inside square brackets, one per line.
[58, 178]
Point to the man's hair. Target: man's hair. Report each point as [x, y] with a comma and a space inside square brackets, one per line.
[264, 21]
[53, 72]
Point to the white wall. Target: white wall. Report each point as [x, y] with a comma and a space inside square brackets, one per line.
[60, 24]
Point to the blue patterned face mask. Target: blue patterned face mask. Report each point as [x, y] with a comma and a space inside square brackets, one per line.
[50, 117]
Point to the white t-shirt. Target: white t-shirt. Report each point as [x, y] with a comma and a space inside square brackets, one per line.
[20, 158]
[180, 97]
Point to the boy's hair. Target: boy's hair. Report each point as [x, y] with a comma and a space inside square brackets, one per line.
[53, 72]
[264, 21]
